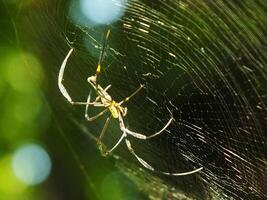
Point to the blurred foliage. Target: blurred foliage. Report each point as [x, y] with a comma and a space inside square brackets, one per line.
[25, 115]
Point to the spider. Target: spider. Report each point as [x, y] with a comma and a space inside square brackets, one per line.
[116, 111]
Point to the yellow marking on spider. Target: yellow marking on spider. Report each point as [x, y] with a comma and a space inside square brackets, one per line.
[113, 109]
[107, 34]
[98, 68]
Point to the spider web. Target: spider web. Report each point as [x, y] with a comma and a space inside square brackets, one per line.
[204, 63]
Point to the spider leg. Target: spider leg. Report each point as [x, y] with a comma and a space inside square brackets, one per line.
[116, 145]
[94, 104]
[146, 165]
[101, 92]
[133, 94]
[107, 87]
[102, 52]
[61, 86]
[144, 137]
[143, 162]
[121, 138]
[101, 146]
[101, 58]
[90, 119]
[104, 129]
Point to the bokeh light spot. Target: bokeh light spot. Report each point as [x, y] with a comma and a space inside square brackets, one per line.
[27, 108]
[31, 164]
[24, 72]
[24, 111]
[102, 11]
[97, 12]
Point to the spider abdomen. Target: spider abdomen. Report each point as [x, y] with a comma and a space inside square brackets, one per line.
[113, 110]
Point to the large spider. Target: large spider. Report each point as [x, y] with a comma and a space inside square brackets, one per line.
[116, 110]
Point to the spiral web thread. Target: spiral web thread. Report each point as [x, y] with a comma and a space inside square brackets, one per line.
[206, 62]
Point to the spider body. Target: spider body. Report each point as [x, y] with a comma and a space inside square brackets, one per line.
[114, 107]
[116, 111]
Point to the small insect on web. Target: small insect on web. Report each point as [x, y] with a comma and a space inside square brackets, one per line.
[116, 111]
